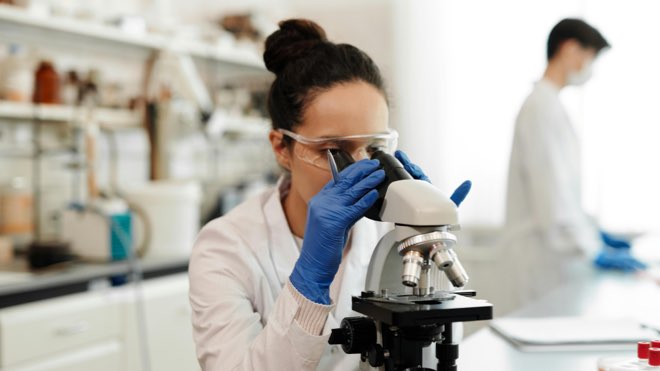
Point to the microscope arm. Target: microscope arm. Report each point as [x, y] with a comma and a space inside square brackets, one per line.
[384, 249]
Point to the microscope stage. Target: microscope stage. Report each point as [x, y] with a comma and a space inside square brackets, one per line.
[458, 309]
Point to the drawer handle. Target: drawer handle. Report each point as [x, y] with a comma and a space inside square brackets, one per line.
[72, 329]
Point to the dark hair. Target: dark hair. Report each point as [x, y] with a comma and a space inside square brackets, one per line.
[578, 30]
[305, 64]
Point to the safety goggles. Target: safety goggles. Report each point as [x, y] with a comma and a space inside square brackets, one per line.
[314, 150]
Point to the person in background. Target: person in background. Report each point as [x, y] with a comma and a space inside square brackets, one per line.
[547, 227]
[269, 279]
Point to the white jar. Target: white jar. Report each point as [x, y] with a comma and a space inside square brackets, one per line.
[16, 210]
[17, 79]
[172, 209]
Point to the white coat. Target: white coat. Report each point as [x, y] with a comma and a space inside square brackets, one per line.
[243, 316]
[547, 229]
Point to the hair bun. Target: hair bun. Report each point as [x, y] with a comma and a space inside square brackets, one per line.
[292, 41]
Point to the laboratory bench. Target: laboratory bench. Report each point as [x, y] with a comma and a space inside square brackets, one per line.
[20, 285]
[596, 294]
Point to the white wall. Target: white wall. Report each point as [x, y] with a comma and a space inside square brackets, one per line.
[464, 68]
[622, 117]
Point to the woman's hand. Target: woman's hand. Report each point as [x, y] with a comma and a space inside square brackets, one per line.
[330, 215]
[416, 172]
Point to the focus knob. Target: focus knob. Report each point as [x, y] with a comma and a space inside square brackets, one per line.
[356, 335]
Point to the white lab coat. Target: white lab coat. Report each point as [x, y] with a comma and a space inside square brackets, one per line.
[547, 229]
[243, 316]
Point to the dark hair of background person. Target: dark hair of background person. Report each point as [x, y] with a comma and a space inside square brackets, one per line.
[576, 29]
[305, 64]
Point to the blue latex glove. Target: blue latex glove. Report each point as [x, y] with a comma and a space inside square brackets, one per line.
[461, 192]
[412, 169]
[614, 242]
[416, 172]
[330, 215]
[618, 259]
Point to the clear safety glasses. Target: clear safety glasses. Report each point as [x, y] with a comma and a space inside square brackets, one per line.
[314, 150]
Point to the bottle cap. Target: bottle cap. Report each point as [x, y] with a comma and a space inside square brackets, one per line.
[655, 343]
[643, 349]
[654, 357]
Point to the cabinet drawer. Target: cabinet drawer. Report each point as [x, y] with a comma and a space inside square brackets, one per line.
[104, 356]
[50, 326]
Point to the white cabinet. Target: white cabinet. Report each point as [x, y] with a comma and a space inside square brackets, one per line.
[45, 328]
[167, 325]
[101, 330]
[105, 356]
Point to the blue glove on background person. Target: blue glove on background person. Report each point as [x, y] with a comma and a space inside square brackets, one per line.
[612, 241]
[615, 255]
[416, 172]
[330, 215]
[617, 259]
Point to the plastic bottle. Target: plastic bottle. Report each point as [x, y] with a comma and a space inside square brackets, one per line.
[16, 214]
[17, 78]
[643, 353]
[46, 84]
[654, 359]
[89, 89]
[71, 88]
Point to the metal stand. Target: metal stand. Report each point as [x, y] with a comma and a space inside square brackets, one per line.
[447, 352]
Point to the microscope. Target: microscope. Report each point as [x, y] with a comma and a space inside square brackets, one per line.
[404, 312]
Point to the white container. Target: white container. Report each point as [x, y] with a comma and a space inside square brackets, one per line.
[16, 76]
[172, 209]
[102, 232]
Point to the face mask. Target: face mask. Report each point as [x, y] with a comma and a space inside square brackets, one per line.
[578, 78]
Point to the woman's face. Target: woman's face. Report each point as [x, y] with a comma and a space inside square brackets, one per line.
[347, 109]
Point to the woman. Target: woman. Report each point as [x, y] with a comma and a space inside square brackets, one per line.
[261, 295]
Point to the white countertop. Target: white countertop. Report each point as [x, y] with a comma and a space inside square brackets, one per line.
[18, 284]
[597, 295]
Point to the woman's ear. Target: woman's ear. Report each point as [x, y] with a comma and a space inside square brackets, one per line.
[280, 149]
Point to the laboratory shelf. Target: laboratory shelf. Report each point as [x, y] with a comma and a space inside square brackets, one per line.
[244, 57]
[28, 111]
[16, 24]
[255, 127]
[106, 117]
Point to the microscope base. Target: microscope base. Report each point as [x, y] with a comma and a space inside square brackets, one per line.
[408, 328]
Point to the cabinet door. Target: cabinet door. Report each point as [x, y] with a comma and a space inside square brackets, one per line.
[168, 326]
[105, 356]
[44, 328]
